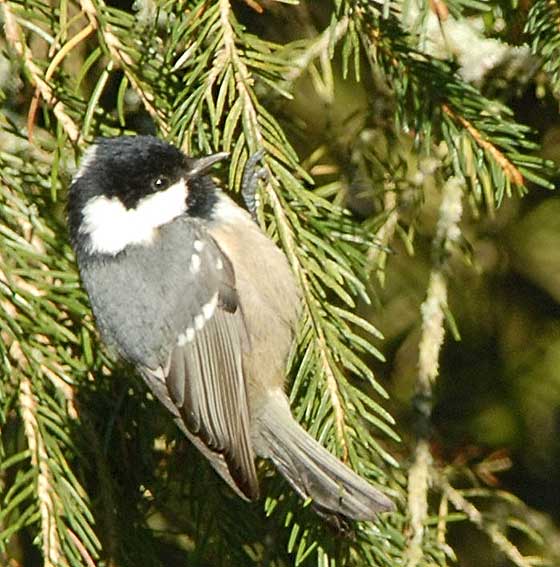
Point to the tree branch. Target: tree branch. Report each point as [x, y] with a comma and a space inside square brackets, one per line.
[243, 78]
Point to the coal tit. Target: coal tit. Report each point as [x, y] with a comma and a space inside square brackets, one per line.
[185, 286]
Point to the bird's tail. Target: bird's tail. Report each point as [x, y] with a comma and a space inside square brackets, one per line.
[312, 471]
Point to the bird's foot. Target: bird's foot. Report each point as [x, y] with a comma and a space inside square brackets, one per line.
[252, 174]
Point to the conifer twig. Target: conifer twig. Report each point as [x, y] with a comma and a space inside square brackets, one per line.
[243, 79]
[510, 171]
[543, 28]
[124, 61]
[386, 231]
[431, 341]
[14, 36]
[319, 46]
[475, 516]
[49, 533]
[242, 74]
[81, 548]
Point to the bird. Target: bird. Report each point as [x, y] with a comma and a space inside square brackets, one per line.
[185, 286]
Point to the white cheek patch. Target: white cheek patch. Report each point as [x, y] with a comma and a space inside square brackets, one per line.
[112, 227]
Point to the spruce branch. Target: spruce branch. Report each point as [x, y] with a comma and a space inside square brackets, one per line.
[228, 56]
[36, 321]
[315, 235]
[432, 91]
[286, 232]
[311, 306]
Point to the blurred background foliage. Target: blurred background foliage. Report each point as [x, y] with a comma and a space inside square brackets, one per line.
[381, 107]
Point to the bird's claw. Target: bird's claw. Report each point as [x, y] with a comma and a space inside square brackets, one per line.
[250, 181]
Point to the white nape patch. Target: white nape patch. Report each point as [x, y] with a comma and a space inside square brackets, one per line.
[195, 264]
[86, 161]
[210, 307]
[112, 227]
[198, 245]
[219, 264]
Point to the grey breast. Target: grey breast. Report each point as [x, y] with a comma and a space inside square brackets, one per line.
[143, 297]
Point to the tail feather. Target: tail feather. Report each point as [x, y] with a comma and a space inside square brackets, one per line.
[312, 471]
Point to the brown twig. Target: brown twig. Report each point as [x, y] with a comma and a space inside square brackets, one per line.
[511, 172]
[254, 6]
[56, 61]
[440, 9]
[81, 548]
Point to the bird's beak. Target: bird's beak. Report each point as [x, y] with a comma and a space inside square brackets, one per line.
[202, 165]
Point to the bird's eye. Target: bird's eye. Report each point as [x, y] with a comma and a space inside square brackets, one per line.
[160, 182]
